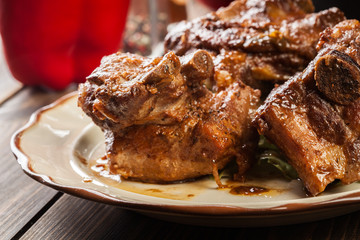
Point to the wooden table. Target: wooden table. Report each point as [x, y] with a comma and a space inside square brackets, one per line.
[30, 210]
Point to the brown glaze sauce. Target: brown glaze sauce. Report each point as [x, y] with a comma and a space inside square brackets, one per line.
[243, 189]
[154, 190]
[86, 180]
[100, 170]
[248, 190]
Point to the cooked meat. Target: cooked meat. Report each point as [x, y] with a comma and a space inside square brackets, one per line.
[314, 118]
[337, 73]
[173, 118]
[161, 120]
[274, 39]
[259, 71]
[132, 89]
[337, 76]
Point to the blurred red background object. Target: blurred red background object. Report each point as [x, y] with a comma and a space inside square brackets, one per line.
[54, 43]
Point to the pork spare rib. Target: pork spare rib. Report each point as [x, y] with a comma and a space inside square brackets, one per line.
[314, 118]
[262, 41]
[163, 122]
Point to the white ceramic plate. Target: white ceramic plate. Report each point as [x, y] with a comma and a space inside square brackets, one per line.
[60, 147]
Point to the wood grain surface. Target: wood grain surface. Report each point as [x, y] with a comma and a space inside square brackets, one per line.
[21, 198]
[74, 218]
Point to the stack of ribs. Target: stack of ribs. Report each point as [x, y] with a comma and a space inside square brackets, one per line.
[192, 111]
[161, 121]
[255, 41]
[314, 118]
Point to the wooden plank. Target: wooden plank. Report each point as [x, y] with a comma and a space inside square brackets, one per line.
[21, 197]
[75, 218]
[8, 85]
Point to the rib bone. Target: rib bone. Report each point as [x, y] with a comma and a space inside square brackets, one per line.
[337, 76]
